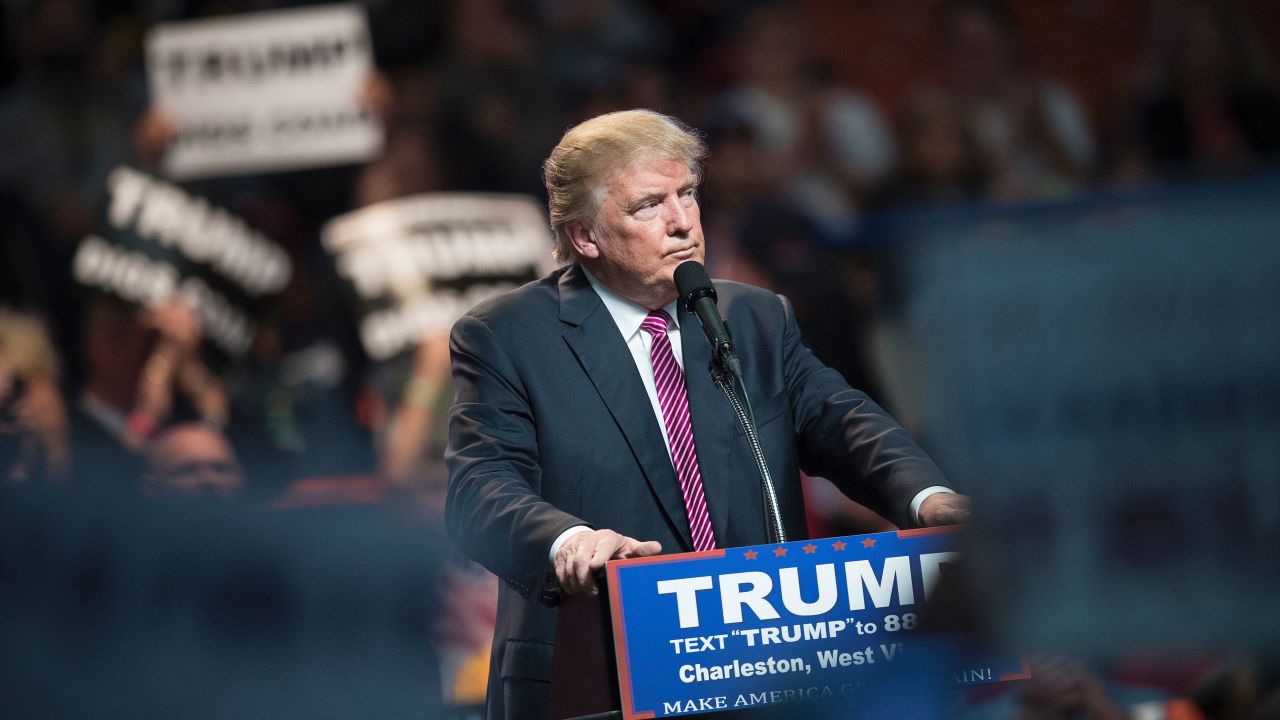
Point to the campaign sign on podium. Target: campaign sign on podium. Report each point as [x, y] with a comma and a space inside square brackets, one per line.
[768, 624]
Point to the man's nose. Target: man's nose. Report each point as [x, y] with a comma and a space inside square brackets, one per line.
[679, 218]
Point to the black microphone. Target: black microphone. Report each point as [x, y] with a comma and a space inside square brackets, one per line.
[699, 297]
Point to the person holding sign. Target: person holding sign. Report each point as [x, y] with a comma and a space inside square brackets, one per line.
[586, 427]
[142, 369]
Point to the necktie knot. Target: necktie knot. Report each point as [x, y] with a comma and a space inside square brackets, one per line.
[656, 322]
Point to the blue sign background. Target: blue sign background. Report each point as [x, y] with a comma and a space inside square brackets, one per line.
[707, 668]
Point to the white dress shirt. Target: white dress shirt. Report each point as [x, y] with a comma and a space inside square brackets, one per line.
[629, 316]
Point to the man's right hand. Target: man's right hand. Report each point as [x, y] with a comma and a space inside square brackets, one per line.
[584, 553]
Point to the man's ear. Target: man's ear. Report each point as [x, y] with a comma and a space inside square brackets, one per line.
[582, 239]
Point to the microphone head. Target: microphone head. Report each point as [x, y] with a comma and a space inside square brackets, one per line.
[693, 283]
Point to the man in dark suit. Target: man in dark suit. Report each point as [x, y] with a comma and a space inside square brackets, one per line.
[586, 427]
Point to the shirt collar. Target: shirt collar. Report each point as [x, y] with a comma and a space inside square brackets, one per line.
[110, 418]
[626, 314]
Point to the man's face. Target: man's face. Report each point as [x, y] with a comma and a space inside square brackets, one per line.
[648, 223]
[194, 463]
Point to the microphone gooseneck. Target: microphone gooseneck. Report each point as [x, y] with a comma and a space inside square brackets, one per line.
[698, 296]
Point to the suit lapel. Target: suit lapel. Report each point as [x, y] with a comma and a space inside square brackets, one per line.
[725, 479]
[593, 337]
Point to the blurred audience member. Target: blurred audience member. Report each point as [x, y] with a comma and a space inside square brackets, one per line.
[733, 184]
[1060, 687]
[408, 446]
[828, 144]
[591, 41]
[411, 161]
[787, 250]
[940, 162]
[153, 135]
[172, 367]
[1239, 689]
[192, 461]
[497, 96]
[1214, 109]
[409, 164]
[33, 419]
[293, 395]
[66, 118]
[762, 237]
[638, 83]
[142, 368]
[412, 438]
[1031, 132]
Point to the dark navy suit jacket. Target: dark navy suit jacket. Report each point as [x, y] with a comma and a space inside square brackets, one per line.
[551, 428]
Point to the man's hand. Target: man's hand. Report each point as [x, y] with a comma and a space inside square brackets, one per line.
[583, 554]
[944, 508]
[176, 323]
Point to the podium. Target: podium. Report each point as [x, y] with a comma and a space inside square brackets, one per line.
[584, 672]
[812, 628]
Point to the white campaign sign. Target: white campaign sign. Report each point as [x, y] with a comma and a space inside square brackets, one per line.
[264, 91]
[418, 263]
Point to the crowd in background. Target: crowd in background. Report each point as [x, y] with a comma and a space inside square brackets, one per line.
[820, 115]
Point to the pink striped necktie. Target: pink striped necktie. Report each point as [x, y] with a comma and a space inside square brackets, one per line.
[669, 379]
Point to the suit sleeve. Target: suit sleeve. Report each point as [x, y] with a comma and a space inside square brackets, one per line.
[844, 436]
[493, 509]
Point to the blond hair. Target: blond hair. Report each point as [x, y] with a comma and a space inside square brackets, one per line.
[579, 166]
[25, 345]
